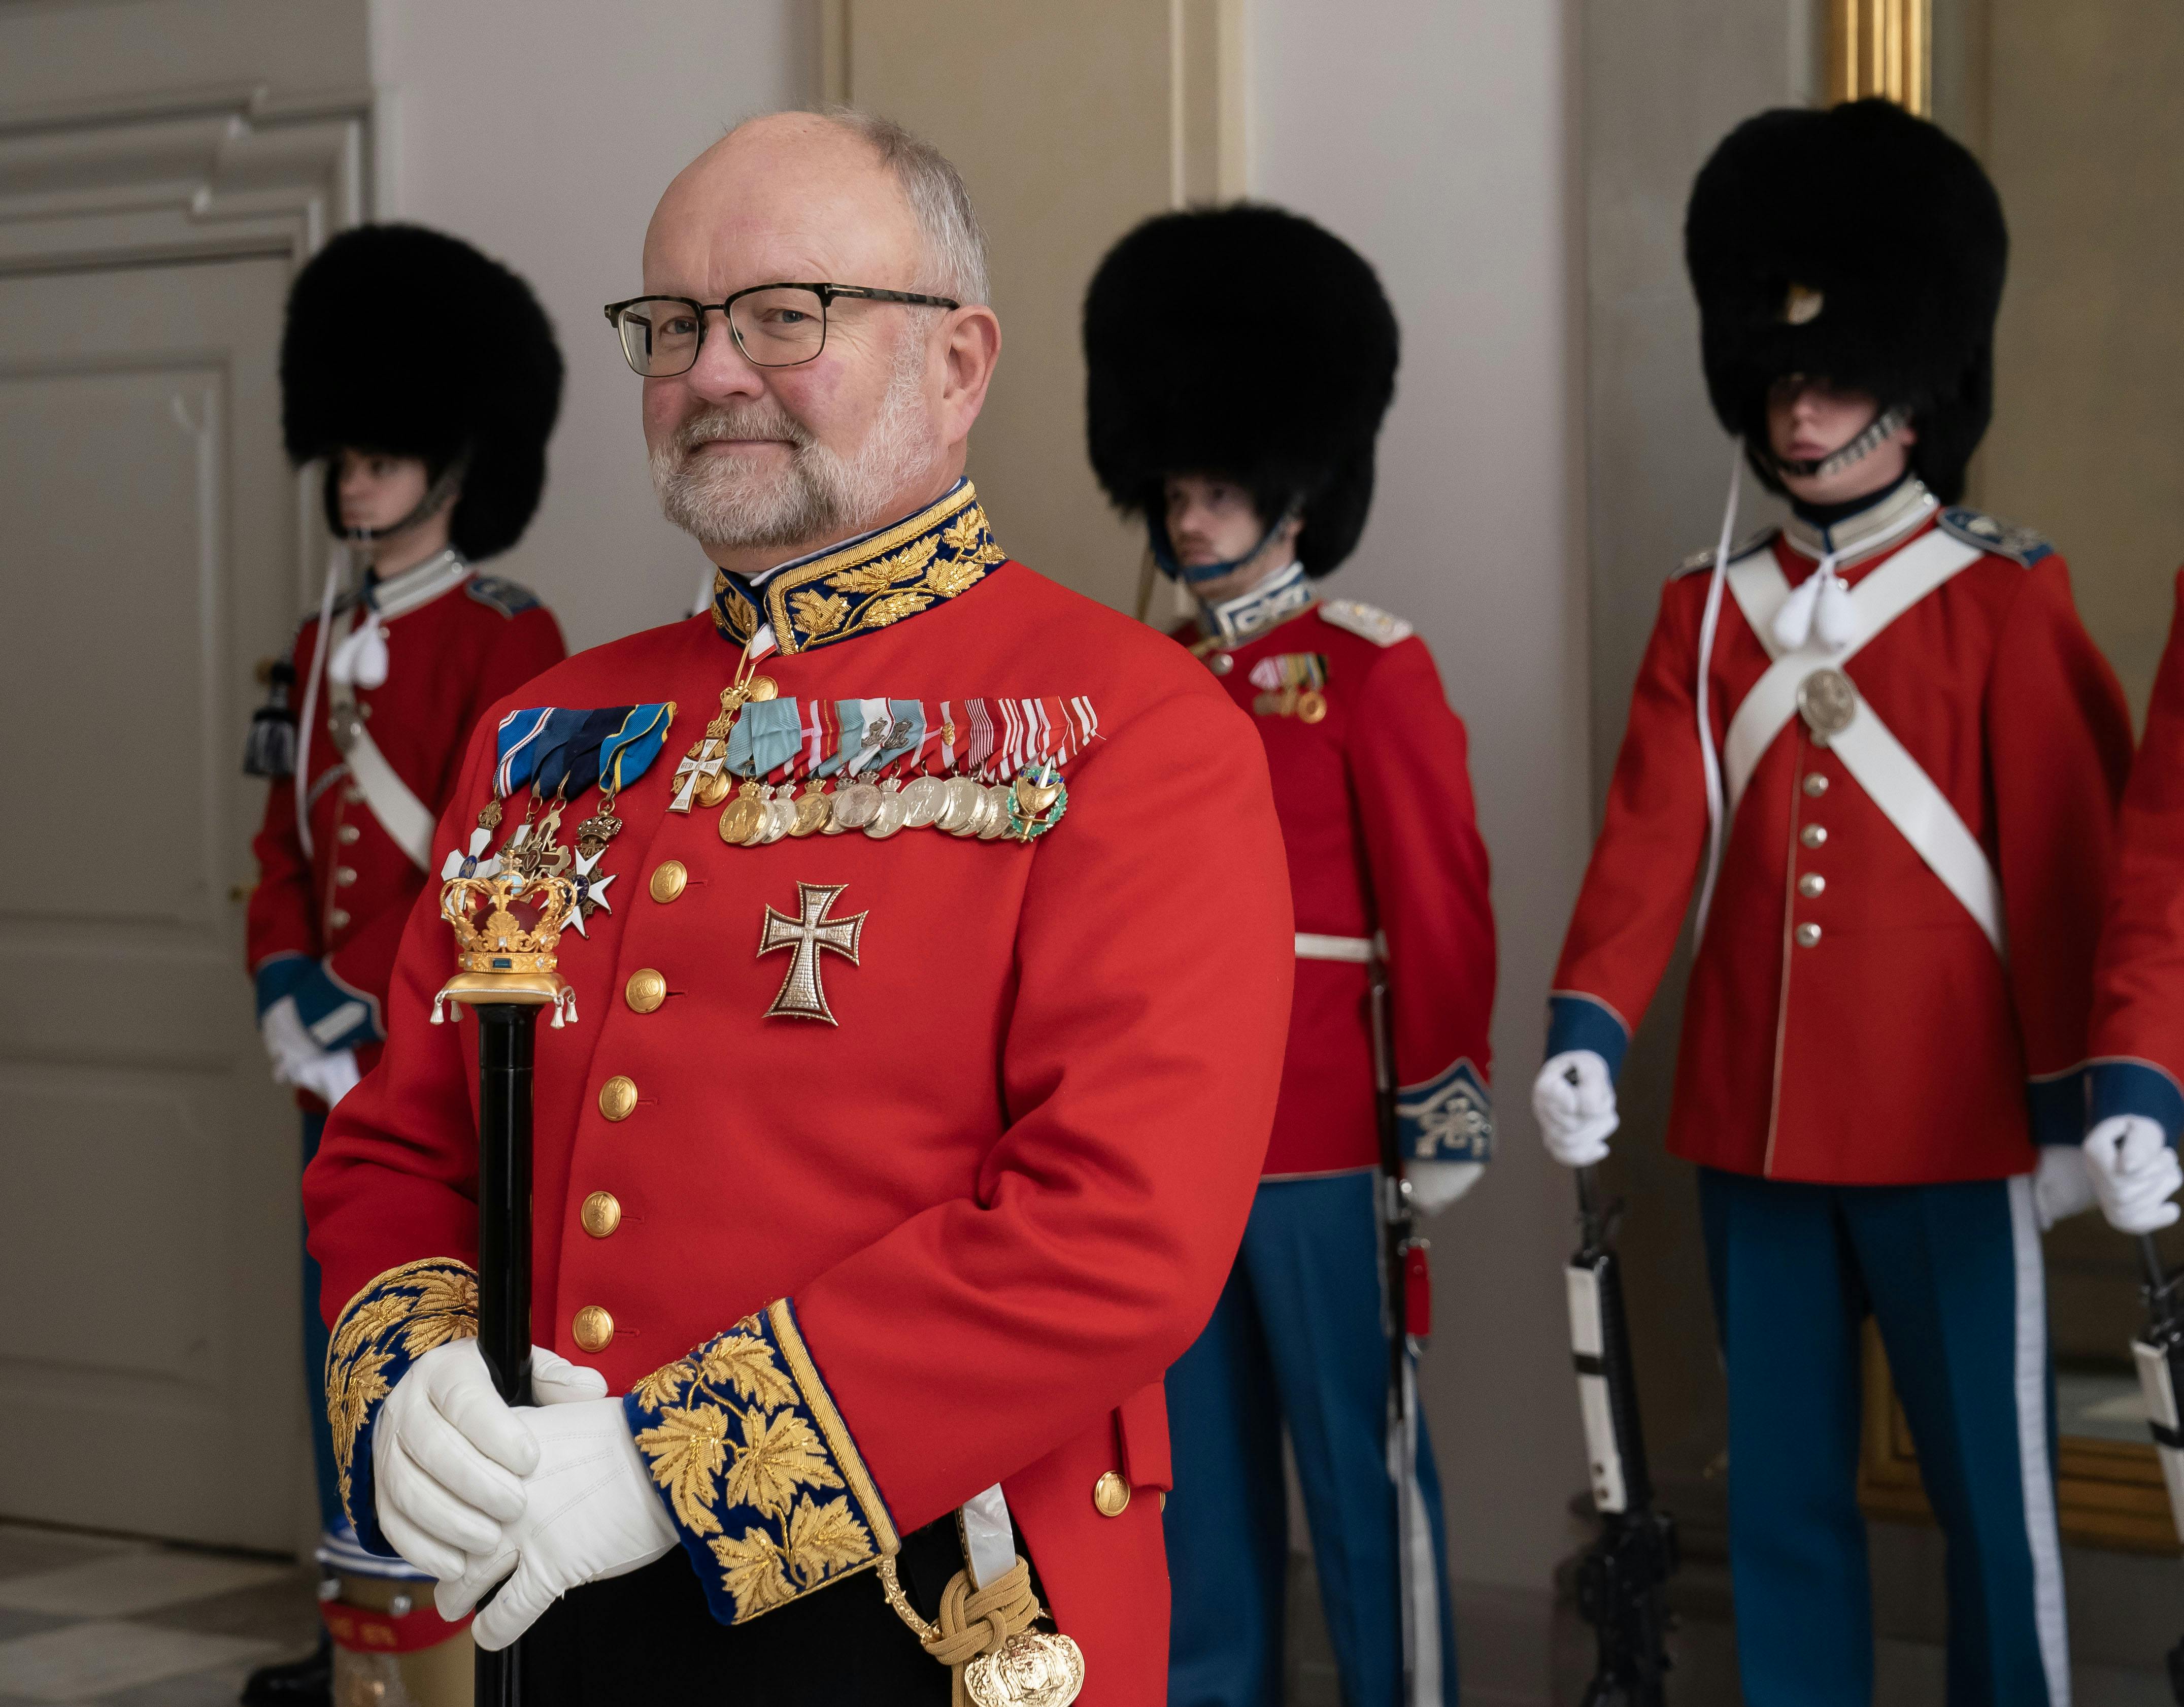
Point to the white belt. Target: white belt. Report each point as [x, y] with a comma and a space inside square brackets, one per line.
[1877, 761]
[401, 814]
[1356, 948]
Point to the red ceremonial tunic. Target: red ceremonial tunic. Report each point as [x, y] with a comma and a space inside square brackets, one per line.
[2138, 984]
[1374, 796]
[1861, 1029]
[995, 1200]
[346, 903]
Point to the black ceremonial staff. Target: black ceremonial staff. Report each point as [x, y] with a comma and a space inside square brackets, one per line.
[506, 978]
[2159, 1355]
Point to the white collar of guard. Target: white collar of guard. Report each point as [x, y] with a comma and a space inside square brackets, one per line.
[1282, 593]
[1860, 536]
[420, 585]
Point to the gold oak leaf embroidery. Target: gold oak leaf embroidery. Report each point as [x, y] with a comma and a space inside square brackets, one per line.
[947, 579]
[751, 1571]
[446, 1309]
[746, 1365]
[687, 1450]
[369, 1320]
[894, 607]
[779, 1454]
[824, 1539]
[906, 565]
[819, 614]
[742, 618]
[960, 536]
[664, 1387]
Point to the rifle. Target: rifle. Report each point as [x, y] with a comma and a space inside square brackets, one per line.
[507, 976]
[1623, 1574]
[2160, 1359]
[1409, 1292]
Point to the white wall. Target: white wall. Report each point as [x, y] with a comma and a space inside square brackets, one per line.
[545, 134]
[1435, 135]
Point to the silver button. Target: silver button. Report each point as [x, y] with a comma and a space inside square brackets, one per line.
[1816, 785]
[337, 919]
[344, 874]
[1808, 935]
[1811, 884]
[348, 834]
[1813, 835]
[1221, 663]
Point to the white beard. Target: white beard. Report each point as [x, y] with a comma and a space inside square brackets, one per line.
[821, 495]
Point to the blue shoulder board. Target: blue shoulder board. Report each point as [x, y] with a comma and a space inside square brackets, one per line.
[503, 596]
[1743, 548]
[2021, 545]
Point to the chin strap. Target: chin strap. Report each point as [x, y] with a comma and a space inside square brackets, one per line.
[1876, 432]
[434, 500]
[1164, 553]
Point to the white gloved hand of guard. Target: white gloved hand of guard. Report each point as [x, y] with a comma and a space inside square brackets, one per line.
[2135, 1173]
[2062, 1185]
[1436, 1184]
[589, 1513]
[448, 1457]
[288, 1045]
[330, 1075]
[1573, 1100]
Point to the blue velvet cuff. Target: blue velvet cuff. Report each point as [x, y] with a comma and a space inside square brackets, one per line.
[336, 1015]
[277, 975]
[1448, 1118]
[383, 1330]
[744, 1445]
[2056, 1104]
[1585, 1022]
[2136, 1087]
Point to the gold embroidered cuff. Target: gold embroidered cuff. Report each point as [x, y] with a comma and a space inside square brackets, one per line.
[744, 1445]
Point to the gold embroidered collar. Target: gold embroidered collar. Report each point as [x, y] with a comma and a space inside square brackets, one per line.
[871, 583]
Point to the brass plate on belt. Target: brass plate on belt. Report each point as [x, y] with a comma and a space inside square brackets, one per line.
[1827, 701]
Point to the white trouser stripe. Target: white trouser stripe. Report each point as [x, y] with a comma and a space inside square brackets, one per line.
[2041, 1536]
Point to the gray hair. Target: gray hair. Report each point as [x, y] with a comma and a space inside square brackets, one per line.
[955, 243]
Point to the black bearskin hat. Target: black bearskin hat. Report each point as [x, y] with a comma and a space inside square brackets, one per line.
[1244, 342]
[409, 341]
[1859, 245]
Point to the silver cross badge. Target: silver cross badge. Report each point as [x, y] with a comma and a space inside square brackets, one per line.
[802, 996]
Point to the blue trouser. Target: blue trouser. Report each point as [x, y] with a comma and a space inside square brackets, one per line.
[331, 1517]
[1951, 1274]
[1299, 1335]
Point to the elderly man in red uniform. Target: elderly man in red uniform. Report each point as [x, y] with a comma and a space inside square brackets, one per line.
[434, 454]
[1909, 753]
[1254, 476]
[910, 1124]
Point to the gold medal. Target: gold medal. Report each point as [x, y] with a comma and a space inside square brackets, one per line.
[761, 688]
[1311, 706]
[714, 786]
[780, 817]
[813, 808]
[744, 814]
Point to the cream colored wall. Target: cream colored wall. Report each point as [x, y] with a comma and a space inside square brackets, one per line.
[1438, 138]
[545, 134]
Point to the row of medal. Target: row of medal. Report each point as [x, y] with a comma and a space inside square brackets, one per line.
[981, 769]
[1293, 685]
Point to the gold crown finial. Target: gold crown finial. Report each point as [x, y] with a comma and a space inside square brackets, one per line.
[499, 959]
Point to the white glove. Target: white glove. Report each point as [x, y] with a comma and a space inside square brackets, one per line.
[589, 1513]
[554, 1381]
[447, 1457]
[1436, 1184]
[288, 1045]
[329, 1076]
[1573, 1100]
[2135, 1173]
[2062, 1185]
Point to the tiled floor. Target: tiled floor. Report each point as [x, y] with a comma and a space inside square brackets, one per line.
[133, 1624]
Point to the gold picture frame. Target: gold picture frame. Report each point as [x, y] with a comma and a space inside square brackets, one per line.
[2108, 1493]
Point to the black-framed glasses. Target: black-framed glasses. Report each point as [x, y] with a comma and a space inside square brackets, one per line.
[773, 324]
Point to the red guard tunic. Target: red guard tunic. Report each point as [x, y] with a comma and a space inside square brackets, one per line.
[1372, 785]
[2138, 985]
[973, 1219]
[345, 902]
[1848, 1022]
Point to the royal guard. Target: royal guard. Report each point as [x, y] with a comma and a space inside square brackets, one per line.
[425, 378]
[2137, 1103]
[907, 1119]
[1880, 745]
[1244, 439]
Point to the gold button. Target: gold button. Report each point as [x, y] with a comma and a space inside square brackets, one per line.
[348, 833]
[1813, 835]
[669, 879]
[594, 1329]
[1815, 785]
[645, 991]
[1111, 1494]
[1808, 935]
[1811, 884]
[618, 1098]
[601, 1213]
[344, 874]
[337, 919]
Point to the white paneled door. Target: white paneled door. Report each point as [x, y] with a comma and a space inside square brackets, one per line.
[150, 1375]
